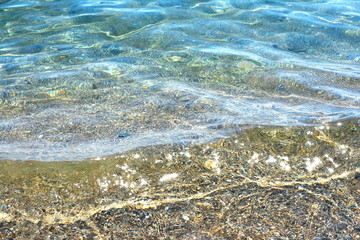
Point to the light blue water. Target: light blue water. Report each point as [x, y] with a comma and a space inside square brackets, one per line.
[89, 78]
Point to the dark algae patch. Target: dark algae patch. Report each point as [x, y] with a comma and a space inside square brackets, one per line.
[261, 183]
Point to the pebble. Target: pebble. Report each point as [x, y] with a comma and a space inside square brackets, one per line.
[123, 135]
[212, 165]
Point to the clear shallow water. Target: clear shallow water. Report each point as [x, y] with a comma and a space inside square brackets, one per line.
[83, 79]
[266, 183]
[135, 81]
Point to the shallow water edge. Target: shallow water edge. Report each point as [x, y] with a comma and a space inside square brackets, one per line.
[269, 182]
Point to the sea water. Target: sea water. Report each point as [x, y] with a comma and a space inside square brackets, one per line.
[84, 79]
[180, 119]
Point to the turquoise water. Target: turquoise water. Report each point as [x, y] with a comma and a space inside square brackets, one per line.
[83, 79]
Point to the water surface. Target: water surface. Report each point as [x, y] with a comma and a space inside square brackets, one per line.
[179, 119]
[84, 79]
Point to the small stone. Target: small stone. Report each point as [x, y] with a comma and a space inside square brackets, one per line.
[185, 217]
[212, 165]
[123, 135]
[357, 176]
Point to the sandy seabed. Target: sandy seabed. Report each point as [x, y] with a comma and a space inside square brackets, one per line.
[262, 183]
